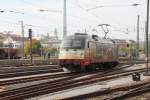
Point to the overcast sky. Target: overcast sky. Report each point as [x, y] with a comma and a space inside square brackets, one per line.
[81, 16]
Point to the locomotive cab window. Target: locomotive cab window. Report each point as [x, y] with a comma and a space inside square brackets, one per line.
[73, 43]
[88, 44]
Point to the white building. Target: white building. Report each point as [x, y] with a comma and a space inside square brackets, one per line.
[10, 40]
[50, 42]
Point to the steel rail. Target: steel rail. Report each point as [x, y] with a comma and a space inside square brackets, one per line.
[21, 80]
[60, 85]
[130, 90]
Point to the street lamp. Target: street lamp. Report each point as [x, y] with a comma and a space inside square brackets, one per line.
[47, 10]
[2, 11]
[106, 30]
[64, 16]
[135, 4]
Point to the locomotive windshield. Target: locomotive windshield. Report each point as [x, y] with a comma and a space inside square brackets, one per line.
[73, 43]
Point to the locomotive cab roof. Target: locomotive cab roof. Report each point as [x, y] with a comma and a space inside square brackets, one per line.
[80, 34]
[93, 37]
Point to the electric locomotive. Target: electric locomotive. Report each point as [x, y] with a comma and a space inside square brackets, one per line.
[81, 52]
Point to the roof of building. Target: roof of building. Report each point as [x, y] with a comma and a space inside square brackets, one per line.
[13, 36]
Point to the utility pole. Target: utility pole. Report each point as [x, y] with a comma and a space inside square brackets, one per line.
[22, 31]
[56, 33]
[147, 29]
[138, 23]
[65, 19]
[30, 37]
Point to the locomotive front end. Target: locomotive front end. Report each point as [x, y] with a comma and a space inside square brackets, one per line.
[72, 53]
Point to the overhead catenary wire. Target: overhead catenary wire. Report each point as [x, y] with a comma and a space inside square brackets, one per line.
[97, 17]
[101, 6]
[42, 8]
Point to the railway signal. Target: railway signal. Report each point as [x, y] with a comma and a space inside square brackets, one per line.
[30, 37]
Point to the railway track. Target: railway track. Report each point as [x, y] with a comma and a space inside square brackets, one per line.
[129, 93]
[36, 78]
[25, 89]
[133, 91]
[58, 85]
[14, 72]
[40, 77]
[121, 92]
[23, 62]
[28, 67]
[26, 73]
[33, 78]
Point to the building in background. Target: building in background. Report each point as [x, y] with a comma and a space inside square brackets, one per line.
[51, 43]
[10, 45]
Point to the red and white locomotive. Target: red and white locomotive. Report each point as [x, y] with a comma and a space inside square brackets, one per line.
[81, 52]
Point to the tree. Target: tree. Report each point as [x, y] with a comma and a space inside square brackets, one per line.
[53, 51]
[36, 47]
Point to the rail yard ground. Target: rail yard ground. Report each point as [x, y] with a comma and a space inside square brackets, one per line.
[101, 84]
[100, 90]
[74, 50]
[49, 82]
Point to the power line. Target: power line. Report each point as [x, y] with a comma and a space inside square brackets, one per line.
[98, 17]
[101, 6]
[41, 7]
[26, 25]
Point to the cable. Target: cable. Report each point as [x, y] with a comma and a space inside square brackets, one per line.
[101, 6]
[97, 17]
[91, 13]
[119, 24]
[42, 10]
[34, 5]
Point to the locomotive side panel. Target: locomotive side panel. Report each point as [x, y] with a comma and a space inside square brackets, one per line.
[90, 50]
[101, 52]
